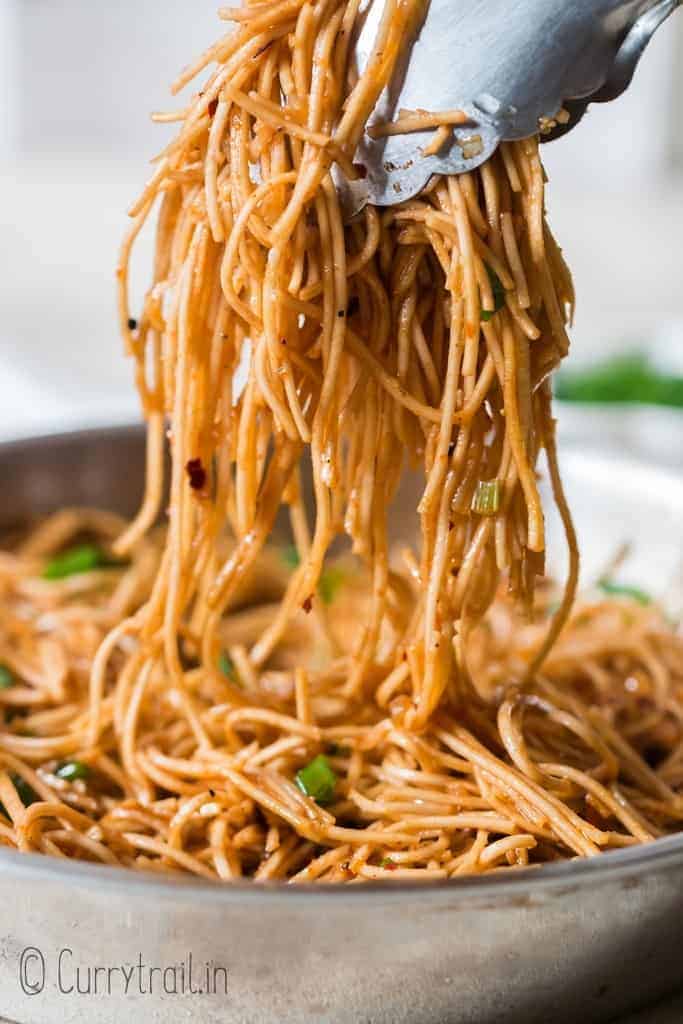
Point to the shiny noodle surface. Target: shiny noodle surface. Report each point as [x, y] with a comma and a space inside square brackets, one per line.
[163, 706]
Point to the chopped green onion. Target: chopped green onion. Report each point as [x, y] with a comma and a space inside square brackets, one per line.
[486, 501]
[388, 864]
[227, 666]
[70, 771]
[317, 780]
[330, 582]
[625, 379]
[498, 295]
[623, 590]
[24, 792]
[6, 678]
[75, 561]
[290, 556]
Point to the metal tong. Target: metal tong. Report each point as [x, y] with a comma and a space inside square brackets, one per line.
[513, 67]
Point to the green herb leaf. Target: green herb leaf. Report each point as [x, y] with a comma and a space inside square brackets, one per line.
[486, 501]
[70, 771]
[317, 780]
[290, 556]
[6, 678]
[624, 379]
[498, 295]
[227, 666]
[75, 561]
[330, 582]
[623, 590]
[24, 791]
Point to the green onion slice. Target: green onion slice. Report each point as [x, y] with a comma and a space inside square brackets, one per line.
[70, 771]
[628, 378]
[75, 561]
[227, 666]
[290, 556]
[24, 791]
[623, 590]
[330, 582]
[317, 780]
[6, 678]
[486, 501]
[498, 295]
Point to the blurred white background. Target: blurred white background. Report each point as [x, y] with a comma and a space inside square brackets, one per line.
[77, 81]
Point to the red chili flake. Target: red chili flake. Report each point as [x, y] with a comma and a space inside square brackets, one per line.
[213, 107]
[451, 525]
[197, 474]
[361, 170]
[389, 865]
[308, 605]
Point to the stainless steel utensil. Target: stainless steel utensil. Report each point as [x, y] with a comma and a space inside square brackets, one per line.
[583, 940]
[511, 66]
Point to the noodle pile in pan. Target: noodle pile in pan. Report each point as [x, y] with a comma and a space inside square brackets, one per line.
[200, 698]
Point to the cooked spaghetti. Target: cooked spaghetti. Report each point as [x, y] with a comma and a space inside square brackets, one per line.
[195, 697]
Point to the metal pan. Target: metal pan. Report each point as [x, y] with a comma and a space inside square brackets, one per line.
[583, 940]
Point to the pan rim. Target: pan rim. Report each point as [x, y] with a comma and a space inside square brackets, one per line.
[615, 866]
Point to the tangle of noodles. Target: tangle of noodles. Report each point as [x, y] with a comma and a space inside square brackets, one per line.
[160, 705]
